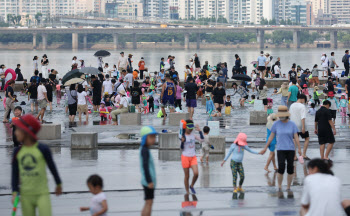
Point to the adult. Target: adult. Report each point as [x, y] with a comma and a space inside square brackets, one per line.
[106, 69]
[19, 73]
[187, 72]
[142, 67]
[74, 63]
[191, 101]
[293, 93]
[82, 63]
[237, 67]
[263, 90]
[10, 101]
[219, 94]
[224, 71]
[304, 78]
[82, 102]
[209, 84]
[262, 64]
[49, 92]
[96, 92]
[325, 64]
[122, 62]
[179, 91]
[197, 63]
[332, 63]
[268, 65]
[285, 131]
[33, 96]
[72, 102]
[168, 95]
[100, 64]
[314, 73]
[298, 113]
[35, 64]
[123, 107]
[129, 66]
[322, 191]
[35, 78]
[277, 70]
[284, 92]
[42, 100]
[345, 61]
[323, 128]
[129, 80]
[136, 94]
[2, 75]
[107, 86]
[53, 76]
[292, 74]
[44, 64]
[347, 87]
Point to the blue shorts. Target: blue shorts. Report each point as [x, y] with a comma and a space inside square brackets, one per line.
[167, 103]
[191, 103]
[272, 146]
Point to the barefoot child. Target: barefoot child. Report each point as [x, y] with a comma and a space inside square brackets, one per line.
[237, 150]
[270, 120]
[209, 104]
[205, 144]
[343, 105]
[148, 173]
[29, 163]
[18, 113]
[228, 105]
[217, 112]
[98, 204]
[188, 157]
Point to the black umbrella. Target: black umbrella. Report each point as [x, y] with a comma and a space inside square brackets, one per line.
[102, 53]
[90, 70]
[71, 74]
[242, 77]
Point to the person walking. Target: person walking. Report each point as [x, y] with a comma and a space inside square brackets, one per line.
[293, 93]
[314, 73]
[197, 64]
[96, 92]
[72, 102]
[129, 67]
[325, 129]
[219, 94]
[122, 62]
[167, 96]
[178, 96]
[42, 100]
[262, 64]
[191, 101]
[285, 131]
[35, 64]
[141, 67]
[44, 64]
[284, 92]
[334, 105]
[325, 64]
[82, 102]
[332, 63]
[10, 101]
[345, 61]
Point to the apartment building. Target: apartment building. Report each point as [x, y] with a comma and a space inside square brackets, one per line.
[341, 10]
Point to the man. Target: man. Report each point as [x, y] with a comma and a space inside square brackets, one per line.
[141, 67]
[172, 71]
[345, 60]
[268, 65]
[332, 63]
[129, 80]
[35, 78]
[323, 128]
[262, 64]
[161, 65]
[122, 62]
[292, 75]
[191, 101]
[106, 69]
[304, 78]
[96, 92]
[292, 93]
[42, 100]
[298, 113]
[107, 86]
[167, 97]
[347, 88]
[129, 66]
[197, 63]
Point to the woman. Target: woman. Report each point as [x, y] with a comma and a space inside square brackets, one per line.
[285, 131]
[123, 107]
[35, 63]
[82, 63]
[178, 96]
[262, 89]
[187, 72]
[72, 102]
[82, 104]
[241, 90]
[49, 92]
[10, 101]
[74, 63]
[284, 91]
[322, 191]
[44, 64]
[209, 84]
[53, 76]
[219, 95]
[237, 64]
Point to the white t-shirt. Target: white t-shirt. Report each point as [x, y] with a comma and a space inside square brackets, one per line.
[85, 84]
[81, 98]
[277, 69]
[123, 62]
[41, 91]
[74, 62]
[115, 72]
[323, 193]
[96, 203]
[128, 78]
[124, 101]
[324, 61]
[35, 64]
[268, 61]
[297, 113]
[108, 86]
[120, 87]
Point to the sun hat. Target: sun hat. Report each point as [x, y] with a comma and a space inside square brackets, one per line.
[145, 131]
[241, 139]
[207, 95]
[270, 120]
[102, 102]
[282, 111]
[330, 94]
[122, 92]
[29, 124]
[190, 125]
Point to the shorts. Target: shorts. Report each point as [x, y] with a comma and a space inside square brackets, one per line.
[205, 152]
[188, 162]
[96, 101]
[282, 157]
[82, 108]
[72, 109]
[261, 68]
[268, 68]
[326, 138]
[265, 101]
[42, 103]
[334, 114]
[304, 135]
[167, 104]
[191, 103]
[34, 101]
[149, 193]
[272, 146]
[315, 80]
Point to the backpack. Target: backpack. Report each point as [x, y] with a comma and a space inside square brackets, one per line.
[345, 59]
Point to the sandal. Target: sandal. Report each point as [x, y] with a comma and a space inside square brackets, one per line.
[306, 158]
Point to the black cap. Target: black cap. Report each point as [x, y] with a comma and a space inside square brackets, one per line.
[93, 76]
[121, 52]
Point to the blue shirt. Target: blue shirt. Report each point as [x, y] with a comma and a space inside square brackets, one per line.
[261, 61]
[285, 134]
[224, 71]
[238, 152]
[294, 93]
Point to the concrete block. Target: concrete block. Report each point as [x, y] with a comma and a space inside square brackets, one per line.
[130, 119]
[50, 132]
[219, 144]
[258, 117]
[169, 141]
[175, 118]
[84, 140]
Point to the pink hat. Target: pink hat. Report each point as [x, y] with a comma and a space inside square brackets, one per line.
[305, 85]
[241, 139]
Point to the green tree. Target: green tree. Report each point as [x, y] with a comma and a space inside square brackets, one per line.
[38, 17]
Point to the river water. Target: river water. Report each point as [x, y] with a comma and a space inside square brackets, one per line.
[61, 59]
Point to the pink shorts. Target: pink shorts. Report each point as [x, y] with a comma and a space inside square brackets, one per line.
[188, 162]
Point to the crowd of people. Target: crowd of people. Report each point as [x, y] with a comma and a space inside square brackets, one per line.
[123, 89]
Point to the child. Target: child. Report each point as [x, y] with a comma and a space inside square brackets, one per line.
[305, 90]
[312, 109]
[25, 87]
[334, 105]
[252, 100]
[316, 96]
[18, 112]
[343, 105]
[270, 120]
[209, 104]
[103, 111]
[205, 144]
[284, 76]
[237, 151]
[98, 203]
[150, 103]
[188, 156]
[217, 113]
[269, 106]
[33, 96]
[228, 105]
[148, 173]
[58, 94]
[29, 168]
[275, 91]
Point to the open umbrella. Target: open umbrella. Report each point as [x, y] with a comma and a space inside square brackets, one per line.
[90, 70]
[102, 53]
[73, 81]
[71, 74]
[242, 77]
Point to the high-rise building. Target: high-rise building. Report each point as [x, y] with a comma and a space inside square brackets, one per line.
[156, 9]
[322, 5]
[341, 10]
[247, 11]
[309, 14]
[298, 12]
[284, 10]
[269, 8]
